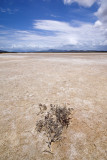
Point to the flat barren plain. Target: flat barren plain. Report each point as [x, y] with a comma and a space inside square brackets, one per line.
[75, 80]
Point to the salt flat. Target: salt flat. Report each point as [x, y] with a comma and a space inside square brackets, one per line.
[78, 80]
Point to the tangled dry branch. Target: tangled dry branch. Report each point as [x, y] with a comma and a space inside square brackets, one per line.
[54, 122]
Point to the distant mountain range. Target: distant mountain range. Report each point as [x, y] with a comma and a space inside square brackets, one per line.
[53, 51]
[1, 51]
[69, 51]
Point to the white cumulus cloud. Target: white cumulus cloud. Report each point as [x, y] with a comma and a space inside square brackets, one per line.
[102, 11]
[47, 34]
[85, 3]
[63, 35]
[51, 25]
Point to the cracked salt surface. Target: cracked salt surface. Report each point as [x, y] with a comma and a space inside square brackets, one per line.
[33, 79]
[77, 61]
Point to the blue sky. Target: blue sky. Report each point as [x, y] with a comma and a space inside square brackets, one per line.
[30, 25]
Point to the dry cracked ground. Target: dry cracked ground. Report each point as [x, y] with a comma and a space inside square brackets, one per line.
[78, 81]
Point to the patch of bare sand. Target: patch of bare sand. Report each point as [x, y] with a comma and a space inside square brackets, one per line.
[79, 80]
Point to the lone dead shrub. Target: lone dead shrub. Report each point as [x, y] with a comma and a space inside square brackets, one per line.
[54, 122]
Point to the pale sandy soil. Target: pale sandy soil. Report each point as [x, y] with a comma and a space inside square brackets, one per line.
[78, 80]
